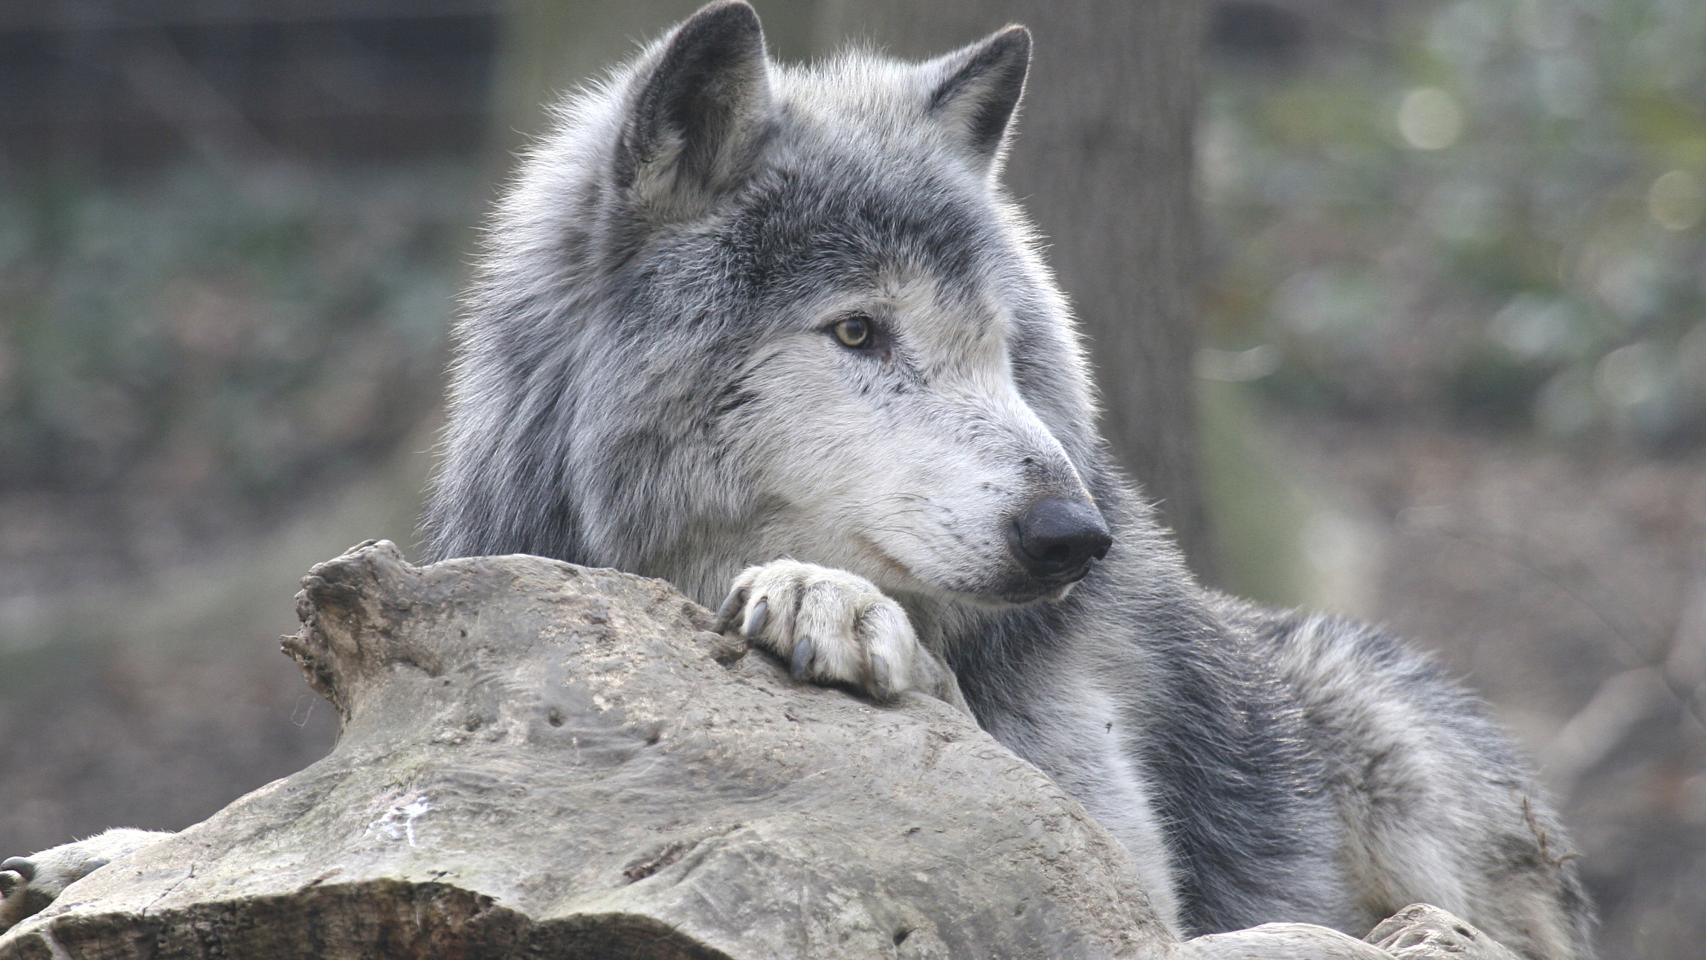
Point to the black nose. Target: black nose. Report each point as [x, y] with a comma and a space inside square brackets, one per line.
[1057, 539]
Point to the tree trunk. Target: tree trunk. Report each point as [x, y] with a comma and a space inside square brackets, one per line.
[1103, 163]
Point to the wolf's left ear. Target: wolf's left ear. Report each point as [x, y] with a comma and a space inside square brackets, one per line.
[977, 89]
[697, 113]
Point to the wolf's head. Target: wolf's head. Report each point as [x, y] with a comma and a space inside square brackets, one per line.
[732, 311]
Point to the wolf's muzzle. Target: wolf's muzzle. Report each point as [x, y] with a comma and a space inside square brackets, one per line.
[1055, 540]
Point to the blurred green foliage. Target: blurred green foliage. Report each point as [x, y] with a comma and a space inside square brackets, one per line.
[182, 337]
[1490, 207]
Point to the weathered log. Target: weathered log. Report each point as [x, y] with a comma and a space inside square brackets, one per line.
[539, 759]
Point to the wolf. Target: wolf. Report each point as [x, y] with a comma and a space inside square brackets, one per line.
[779, 335]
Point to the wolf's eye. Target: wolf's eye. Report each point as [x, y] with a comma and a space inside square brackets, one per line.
[855, 331]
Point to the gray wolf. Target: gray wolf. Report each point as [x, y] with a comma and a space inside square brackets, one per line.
[778, 335]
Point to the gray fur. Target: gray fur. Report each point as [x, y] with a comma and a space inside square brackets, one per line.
[644, 380]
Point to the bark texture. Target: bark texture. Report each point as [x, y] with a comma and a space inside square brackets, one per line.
[543, 760]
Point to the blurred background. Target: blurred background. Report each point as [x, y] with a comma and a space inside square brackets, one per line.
[1400, 309]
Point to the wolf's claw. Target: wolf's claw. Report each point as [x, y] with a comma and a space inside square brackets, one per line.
[755, 619]
[731, 608]
[801, 662]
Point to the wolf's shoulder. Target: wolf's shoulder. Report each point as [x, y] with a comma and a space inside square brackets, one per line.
[1313, 640]
[1348, 674]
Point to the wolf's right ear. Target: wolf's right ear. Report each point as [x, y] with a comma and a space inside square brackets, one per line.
[977, 90]
[697, 114]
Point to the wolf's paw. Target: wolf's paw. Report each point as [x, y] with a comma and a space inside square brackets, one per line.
[1420, 931]
[29, 884]
[830, 626]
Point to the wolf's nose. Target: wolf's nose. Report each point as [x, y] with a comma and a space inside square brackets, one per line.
[1057, 539]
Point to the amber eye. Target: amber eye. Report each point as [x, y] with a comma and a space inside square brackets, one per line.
[854, 331]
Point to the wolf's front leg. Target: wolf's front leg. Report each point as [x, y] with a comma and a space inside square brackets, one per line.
[833, 627]
[28, 884]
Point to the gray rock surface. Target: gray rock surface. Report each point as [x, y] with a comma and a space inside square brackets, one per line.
[542, 760]
[539, 759]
